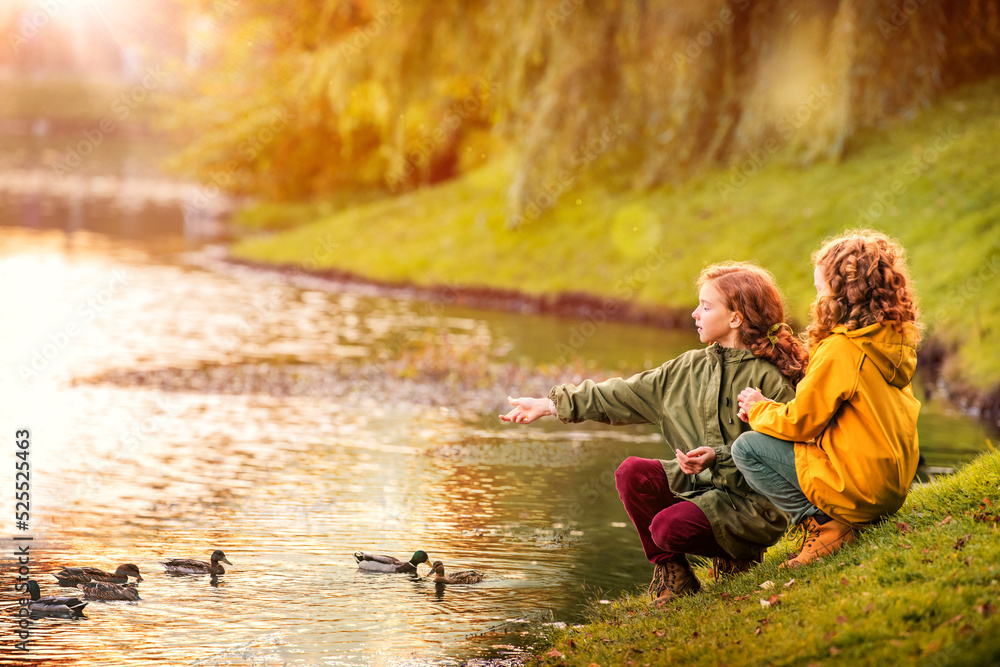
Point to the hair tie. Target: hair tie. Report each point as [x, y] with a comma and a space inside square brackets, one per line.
[771, 335]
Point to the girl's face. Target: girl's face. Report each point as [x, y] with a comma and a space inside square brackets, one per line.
[715, 322]
[820, 281]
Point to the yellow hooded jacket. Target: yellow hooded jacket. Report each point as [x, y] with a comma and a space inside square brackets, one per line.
[853, 421]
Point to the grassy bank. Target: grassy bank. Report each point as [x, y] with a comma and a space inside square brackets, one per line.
[922, 588]
[932, 183]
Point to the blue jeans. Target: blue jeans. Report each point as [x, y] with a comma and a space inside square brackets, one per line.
[768, 464]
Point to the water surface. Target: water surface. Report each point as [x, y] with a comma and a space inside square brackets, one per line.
[290, 486]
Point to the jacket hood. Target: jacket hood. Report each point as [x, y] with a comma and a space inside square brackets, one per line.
[893, 353]
[729, 355]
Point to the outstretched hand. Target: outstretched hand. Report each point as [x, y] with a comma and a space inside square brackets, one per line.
[526, 410]
[748, 398]
[696, 460]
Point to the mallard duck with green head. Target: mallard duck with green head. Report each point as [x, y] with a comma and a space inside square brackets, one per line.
[53, 605]
[105, 590]
[71, 576]
[438, 576]
[191, 566]
[373, 563]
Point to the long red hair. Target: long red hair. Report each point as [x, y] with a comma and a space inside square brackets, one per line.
[753, 293]
[869, 284]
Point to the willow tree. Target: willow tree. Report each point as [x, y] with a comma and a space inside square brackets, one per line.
[292, 100]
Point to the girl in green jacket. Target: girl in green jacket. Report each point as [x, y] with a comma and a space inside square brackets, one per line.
[698, 503]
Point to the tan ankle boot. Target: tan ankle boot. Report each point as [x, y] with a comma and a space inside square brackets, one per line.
[724, 567]
[820, 540]
[671, 580]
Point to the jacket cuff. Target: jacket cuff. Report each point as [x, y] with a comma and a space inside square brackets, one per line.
[554, 398]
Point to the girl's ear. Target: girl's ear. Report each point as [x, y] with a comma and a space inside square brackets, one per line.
[735, 320]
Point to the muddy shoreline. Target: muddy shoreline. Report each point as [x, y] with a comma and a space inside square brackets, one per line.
[933, 357]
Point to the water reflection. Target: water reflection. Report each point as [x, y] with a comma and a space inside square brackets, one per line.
[290, 486]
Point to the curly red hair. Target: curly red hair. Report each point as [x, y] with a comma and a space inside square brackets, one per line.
[869, 284]
[753, 292]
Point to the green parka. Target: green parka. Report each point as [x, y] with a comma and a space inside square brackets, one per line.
[692, 399]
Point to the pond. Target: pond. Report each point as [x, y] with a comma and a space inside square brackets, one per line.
[290, 486]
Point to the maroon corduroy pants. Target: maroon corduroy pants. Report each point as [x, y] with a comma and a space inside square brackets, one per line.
[668, 526]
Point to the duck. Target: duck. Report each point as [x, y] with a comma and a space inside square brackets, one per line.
[105, 590]
[190, 566]
[71, 576]
[373, 563]
[438, 576]
[52, 604]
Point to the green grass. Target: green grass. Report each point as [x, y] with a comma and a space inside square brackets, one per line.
[921, 588]
[649, 246]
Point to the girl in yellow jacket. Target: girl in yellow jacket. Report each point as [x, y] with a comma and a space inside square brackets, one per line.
[844, 451]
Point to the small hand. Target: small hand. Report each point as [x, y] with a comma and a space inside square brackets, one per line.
[747, 399]
[696, 460]
[526, 410]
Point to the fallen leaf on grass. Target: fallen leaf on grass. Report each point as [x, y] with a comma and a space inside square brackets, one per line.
[968, 561]
[903, 527]
[898, 643]
[955, 619]
[790, 582]
[986, 610]
[554, 653]
[870, 607]
[767, 585]
[844, 581]
[966, 629]
[933, 646]
[962, 541]
[834, 650]
[741, 597]
[758, 631]
[842, 619]
[659, 633]
[830, 635]
[944, 521]
[765, 603]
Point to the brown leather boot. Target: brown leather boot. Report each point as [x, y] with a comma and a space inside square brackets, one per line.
[671, 580]
[820, 540]
[724, 567]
